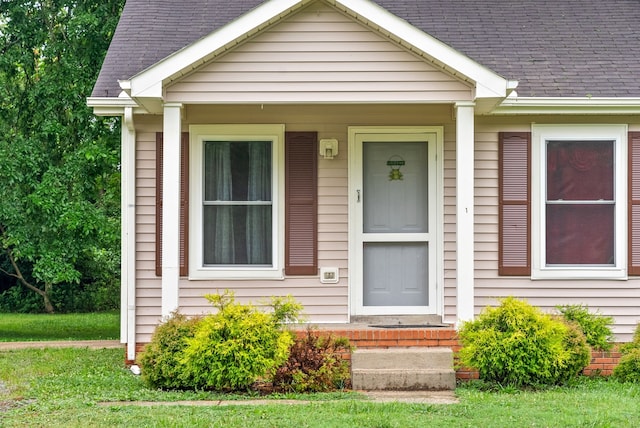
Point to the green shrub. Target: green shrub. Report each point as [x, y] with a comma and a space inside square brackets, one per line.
[579, 350]
[595, 326]
[628, 369]
[635, 342]
[160, 359]
[238, 345]
[315, 364]
[517, 344]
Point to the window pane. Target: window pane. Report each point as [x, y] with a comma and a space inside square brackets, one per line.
[580, 234]
[580, 170]
[237, 171]
[237, 235]
[237, 221]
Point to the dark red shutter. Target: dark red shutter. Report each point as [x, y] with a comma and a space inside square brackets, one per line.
[634, 203]
[514, 253]
[301, 203]
[184, 204]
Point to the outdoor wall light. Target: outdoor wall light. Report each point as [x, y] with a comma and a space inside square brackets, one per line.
[328, 148]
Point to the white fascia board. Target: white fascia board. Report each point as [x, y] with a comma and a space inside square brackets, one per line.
[487, 83]
[111, 106]
[568, 105]
[149, 83]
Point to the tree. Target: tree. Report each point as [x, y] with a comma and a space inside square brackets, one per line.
[59, 214]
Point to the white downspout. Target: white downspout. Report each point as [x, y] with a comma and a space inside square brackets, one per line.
[128, 234]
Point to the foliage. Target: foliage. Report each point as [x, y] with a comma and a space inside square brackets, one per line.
[98, 296]
[228, 350]
[239, 344]
[517, 344]
[315, 364]
[160, 359]
[59, 220]
[628, 369]
[595, 326]
[579, 352]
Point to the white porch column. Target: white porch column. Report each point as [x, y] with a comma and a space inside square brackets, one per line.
[171, 207]
[464, 210]
[128, 233]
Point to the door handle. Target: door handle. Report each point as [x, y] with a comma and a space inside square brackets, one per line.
[358, 192]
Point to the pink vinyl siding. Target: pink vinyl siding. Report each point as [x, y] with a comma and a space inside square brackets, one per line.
[318, 55]
[619, 299]
[322, 302]
[148, 290]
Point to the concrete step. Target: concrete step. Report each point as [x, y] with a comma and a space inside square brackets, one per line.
[408, 380]
[403, 369]
[403, 358]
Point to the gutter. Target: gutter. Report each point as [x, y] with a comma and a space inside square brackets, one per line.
[515, 105]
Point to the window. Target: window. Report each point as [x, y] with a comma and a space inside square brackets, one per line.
[579, 201]
[236, 205]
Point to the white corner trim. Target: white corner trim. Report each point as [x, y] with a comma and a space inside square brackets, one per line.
[569, 105]
[149, 83]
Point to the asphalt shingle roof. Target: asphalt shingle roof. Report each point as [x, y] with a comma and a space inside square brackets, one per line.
[554, 48]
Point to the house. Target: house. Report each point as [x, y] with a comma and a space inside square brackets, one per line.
[377, 158]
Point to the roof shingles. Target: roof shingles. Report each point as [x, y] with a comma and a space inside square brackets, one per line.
[554, 48]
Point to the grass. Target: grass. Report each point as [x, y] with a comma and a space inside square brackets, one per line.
[64, 388]
[36, 327]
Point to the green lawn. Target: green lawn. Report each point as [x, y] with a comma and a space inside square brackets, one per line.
[64, 388]
[30, 327]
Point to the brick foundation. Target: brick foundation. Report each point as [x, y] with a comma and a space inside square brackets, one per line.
[602, 363]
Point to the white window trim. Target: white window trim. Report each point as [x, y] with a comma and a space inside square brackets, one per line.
[200, 133]
[540, 135]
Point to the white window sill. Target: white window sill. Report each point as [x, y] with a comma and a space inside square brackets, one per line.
[243, 273]
[595, 273]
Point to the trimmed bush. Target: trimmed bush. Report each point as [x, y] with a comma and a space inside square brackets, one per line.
[595, 326]
[628, 369]
[228, 350]
[235, 347]
[517, 344]
[160, 359]
[315, 364]
[579, 351]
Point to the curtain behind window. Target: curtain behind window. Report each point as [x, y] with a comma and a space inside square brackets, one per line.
[237, 203]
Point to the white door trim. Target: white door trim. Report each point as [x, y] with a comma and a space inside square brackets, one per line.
[355, 216]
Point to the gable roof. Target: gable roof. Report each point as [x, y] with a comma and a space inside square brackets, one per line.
[554, 48]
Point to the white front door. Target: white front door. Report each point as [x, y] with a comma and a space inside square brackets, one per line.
[394, 219]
